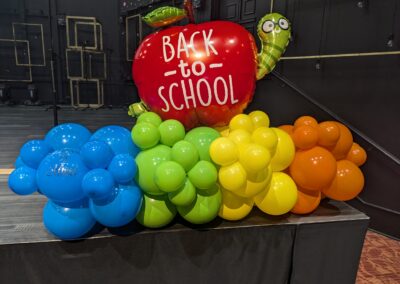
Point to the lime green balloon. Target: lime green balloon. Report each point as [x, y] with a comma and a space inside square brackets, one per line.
[147, 162]
[201, 138]
[150, 117]
[204, 175]
[145, 135]
[171, 131]
[169, 176]
[184, 196]
[156, 211]
[204, 208]
[186, 154]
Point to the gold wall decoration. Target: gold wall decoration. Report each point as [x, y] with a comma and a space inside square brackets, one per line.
[29, 66]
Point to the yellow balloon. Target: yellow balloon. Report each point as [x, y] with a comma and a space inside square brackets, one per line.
[285, 151]
[240, 136]
[259, 119]
[223, 130]
[265, 137]
[232, 177]
[234, 207]
[255, 185]
[241, 121]
[254, 157]
[223, 151]
[280, 197]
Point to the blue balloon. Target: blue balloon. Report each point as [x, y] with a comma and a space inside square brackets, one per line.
[123, 168]
[121, 210]
[98, 184]
[33, 152]
[67, 135]
[118, 138]
[60, 175]
[23, 181]
[19, 163]
[96, 154]
[67, 223]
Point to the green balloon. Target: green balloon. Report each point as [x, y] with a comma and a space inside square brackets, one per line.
[184, 196]
[171, 131]
[204, 175]
[201, 138]
[156, 211]
[150, 117]
[147, 162]
[204, 208]
[186, 154]
[169, 176]
[145, 135]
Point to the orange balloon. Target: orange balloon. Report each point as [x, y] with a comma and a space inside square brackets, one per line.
[305, 137]
[357, 155]
[323, 196]
[343, 145]
[306, 120]
[329, 133]
[313, 169]
[287, 128]
[348, 183]
[307, 201]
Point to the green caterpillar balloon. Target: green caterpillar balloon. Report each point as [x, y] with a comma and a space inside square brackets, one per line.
[274, 33]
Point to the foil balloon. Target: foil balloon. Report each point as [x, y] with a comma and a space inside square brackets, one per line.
[190, 73]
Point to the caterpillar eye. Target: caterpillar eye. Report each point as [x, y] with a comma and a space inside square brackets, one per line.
[284, 24]
[268, 26]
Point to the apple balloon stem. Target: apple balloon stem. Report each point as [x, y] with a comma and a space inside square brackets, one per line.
[188, 5]
[136, 109]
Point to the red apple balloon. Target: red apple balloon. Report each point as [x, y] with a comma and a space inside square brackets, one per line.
[199, 74]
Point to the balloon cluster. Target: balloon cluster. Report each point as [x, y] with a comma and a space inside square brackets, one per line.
[175, 172]
[87, 178]
[251, 156]
[326, 162]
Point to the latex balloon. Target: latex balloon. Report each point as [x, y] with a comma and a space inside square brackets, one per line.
[287, 128]
[284, 151]
[259, 119]
[123, 168]
[203, 175]
[147, 162]
[254, 157]
[348, 182]
[118, 138]
[145, 135]
[357, 155]
[156, 211]
[19, 163]
[232, 177]
[305, 120]
[98, 184]
[67, 135]
[241, 121]
[305, 137]
[96, 154]
[240, 136]
[33, 152]
[223, 151]
[22, 180]
[190, 73]
[171, 131]
[265, 137]
[313, 169]
[184, 196]
[204, 208]
[201, 138]
[280, 197]
[186, 154]
[256, 184]
[307, 201]
[343, 145]
[234, 207]
[67, 223]
[169, 176]
[60, 175]
[120, 209]
[329, 133]
[150, 117]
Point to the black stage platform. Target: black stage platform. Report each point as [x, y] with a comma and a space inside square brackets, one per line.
[323, 247]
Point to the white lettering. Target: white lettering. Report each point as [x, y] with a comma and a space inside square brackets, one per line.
[182, 47]
[209, 43]
[186, 97]
[202, 68]
[167, 43]
[174, 85]
[233, 100]
[202, 80]
[220, 102]
[166, 109]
